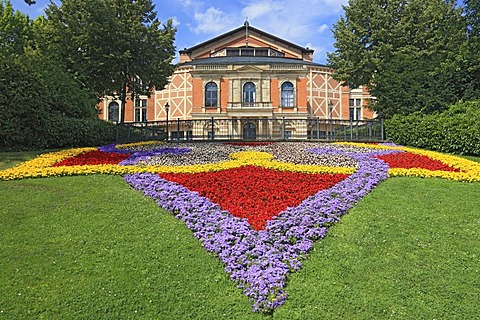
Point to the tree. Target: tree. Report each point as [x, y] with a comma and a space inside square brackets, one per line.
[401, 50]
[469, 60]
[114, 47]
[15, 30]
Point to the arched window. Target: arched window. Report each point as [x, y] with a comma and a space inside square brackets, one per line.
[211, 94]
[113, 111]
[287, 94]
[249, 93]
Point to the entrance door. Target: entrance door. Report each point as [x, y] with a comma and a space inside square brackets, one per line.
[249, 131]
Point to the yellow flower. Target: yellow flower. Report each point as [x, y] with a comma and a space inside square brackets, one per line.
[138, 144]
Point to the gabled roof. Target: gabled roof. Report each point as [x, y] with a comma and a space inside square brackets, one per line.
[251, 60]
[240, 29]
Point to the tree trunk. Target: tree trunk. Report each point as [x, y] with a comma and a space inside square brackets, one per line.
[122, 107]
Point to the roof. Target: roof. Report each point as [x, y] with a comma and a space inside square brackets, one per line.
[250, 60]
[242, 28]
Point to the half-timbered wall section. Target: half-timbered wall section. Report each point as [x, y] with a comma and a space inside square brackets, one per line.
[179, 95]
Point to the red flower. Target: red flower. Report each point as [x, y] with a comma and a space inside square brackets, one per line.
[94, 158]
[255, 193]
[408, 160]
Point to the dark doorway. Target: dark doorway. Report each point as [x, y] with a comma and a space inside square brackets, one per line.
[249, 131]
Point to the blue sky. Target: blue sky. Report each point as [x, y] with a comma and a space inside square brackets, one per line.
[307, 23]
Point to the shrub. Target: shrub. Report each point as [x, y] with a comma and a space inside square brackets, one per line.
[456, 130]
[30, 119]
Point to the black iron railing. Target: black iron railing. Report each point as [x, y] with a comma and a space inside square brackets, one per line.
[252, 129]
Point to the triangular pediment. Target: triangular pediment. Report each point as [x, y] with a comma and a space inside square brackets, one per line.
[246, 40]
[248, 68]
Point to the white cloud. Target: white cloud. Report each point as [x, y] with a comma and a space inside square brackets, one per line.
[185, 3]
[213, 21]
[320, 52]
[175, 21]
[322, 28]
[297, 21]
[259, 9]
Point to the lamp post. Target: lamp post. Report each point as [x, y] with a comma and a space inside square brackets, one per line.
[167, 107]
[330, 107]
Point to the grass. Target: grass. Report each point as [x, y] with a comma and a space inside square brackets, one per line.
[92, 248]
[89, 247]
[472, 158]
[10, 159]
[409, 250]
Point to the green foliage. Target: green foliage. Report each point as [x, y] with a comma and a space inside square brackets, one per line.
[15, 30]
[63, 92]
[404, 51]
[113, 46]
[42, 104]
[63, 132]
[29, 119]
[457, 130]
[23, 105]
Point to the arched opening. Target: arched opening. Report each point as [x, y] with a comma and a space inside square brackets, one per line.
[288, 96]
[113, 111]
[211, 94]
[249, 94]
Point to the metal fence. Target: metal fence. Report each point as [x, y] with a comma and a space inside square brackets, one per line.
[252, 129]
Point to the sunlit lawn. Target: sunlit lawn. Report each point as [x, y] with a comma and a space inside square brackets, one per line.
[90, 247]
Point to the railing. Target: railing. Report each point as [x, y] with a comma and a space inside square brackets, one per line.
[286, 67]
[252, 129]
[251, 105]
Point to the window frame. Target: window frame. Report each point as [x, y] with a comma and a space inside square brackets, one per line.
[208, 96]
[109, 111]
[249, 97]
[140, 110]
[287, 101]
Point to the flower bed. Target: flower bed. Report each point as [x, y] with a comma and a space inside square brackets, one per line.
[254, 193]
[259, 261]
[93, 158]
[259, 207]
[408, 160]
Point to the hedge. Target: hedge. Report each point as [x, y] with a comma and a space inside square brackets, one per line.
[58, 132]
[34, 118]
[456, 130]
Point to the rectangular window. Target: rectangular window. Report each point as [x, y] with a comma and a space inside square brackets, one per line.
[351, 102]
[233, 52]
[211, 99]
[247, 52]
[358, 102]
[261, 52]
[287, 99]
[359, 114]
[352, 114]
[178, 135]
[140, 110]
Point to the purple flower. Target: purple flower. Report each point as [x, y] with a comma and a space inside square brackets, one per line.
[259, 261]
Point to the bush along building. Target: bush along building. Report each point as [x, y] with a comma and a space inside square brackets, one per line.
[250, 84]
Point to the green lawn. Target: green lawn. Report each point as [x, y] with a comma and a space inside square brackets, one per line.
[90, 247]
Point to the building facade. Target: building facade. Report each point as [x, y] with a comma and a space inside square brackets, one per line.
[246, 74]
